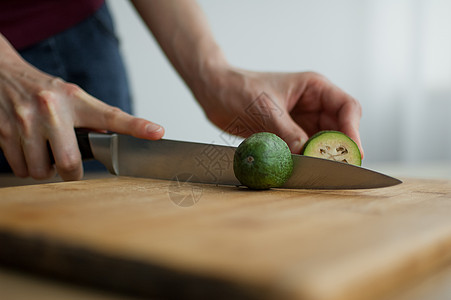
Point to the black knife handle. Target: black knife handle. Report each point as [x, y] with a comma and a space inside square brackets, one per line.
[83, 145]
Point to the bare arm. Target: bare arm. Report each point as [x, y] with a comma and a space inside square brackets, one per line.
[306, 102]
[183, 33]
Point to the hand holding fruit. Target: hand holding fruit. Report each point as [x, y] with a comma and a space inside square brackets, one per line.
[295, 106]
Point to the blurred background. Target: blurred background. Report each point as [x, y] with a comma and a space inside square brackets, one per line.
[393, 56]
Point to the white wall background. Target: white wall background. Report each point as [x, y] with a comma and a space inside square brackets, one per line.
[393, 56]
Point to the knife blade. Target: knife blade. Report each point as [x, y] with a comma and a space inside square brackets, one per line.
[125, 155]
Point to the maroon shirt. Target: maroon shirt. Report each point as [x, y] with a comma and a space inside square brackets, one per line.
[26, 22]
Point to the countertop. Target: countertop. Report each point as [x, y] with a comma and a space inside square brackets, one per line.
[429, 193]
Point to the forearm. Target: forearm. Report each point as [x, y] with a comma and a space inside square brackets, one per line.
[292, 105]
[181, 29]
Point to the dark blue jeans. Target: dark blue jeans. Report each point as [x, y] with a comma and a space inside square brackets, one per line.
[87, 55]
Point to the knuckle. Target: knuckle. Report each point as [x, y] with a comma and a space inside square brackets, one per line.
[359, 107]
[70, 164]
[24, 117]
[46, 97]
[69, 89]
[317, 84]
[72, 90]
[317, 77]
[48, 104]
[111, 114]
[112, 111]
[355, 103]
[57, 81]
[138, 123]
[358, 104]
[58, 84]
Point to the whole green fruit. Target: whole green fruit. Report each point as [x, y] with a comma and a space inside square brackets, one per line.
[263, 161]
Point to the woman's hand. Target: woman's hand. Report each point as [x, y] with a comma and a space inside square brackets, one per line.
[292, 105]
[36, 109]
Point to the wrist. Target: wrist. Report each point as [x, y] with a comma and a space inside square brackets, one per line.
[5, 49]
[207, 69]
[9, 57]
[212, 82]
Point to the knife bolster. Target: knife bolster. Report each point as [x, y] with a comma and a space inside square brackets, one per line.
[104, 149]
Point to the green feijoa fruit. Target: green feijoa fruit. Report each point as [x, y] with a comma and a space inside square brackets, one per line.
[333, 145]
[263, 161]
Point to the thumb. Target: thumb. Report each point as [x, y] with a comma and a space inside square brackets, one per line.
[291, 133]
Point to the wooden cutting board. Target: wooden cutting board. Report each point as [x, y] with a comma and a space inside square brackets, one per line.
[178, 240]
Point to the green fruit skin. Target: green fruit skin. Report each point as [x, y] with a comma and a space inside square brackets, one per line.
[263, 161]
[357, 155]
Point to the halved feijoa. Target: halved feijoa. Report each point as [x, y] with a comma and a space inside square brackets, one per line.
[333, 145]
[263, 161]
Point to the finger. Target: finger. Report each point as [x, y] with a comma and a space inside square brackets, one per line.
[113, 119]
[61, 137]
[11, 146]
[66, 154]
[307, 121]
[37, 157]
[287, 129]
[33, 143]
[349, 120]
[353, 133]
[118, 121]
[14, 155]
[328, 122]
[347, 110]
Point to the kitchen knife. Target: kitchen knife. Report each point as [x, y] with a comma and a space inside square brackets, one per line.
[125, 155]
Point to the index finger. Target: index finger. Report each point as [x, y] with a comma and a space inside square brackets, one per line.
[349, 120]
[93, 113]
[347, 110]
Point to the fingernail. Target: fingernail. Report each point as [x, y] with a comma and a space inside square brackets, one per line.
[152, 128]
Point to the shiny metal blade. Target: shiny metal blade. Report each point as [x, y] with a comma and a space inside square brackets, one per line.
[207, 163]
[172, 160]
[318, 173]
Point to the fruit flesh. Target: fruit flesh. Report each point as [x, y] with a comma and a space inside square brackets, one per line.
[333, 145]
[263, 161]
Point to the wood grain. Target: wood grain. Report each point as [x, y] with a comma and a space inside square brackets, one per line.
[128, 234]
